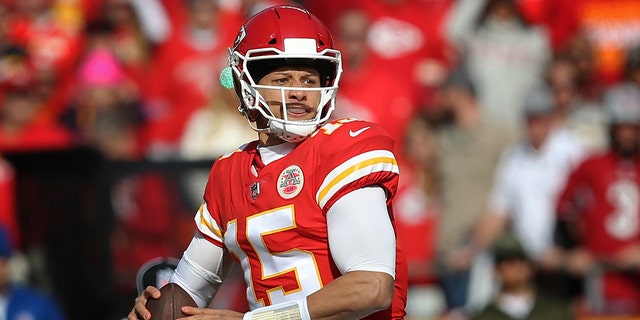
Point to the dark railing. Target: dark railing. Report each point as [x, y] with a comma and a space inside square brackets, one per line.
[69, 209]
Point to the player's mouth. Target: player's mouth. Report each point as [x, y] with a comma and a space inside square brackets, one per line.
[298, 111]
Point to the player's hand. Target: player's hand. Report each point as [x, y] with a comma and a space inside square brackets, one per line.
[139, 310]
[203, 314]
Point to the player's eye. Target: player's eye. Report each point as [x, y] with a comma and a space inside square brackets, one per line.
[281, 81]
[310, 82]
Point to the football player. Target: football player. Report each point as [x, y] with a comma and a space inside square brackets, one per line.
[306, 209]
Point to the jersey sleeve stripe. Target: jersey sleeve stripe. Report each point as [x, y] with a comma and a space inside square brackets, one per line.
[354, 169]
[207, 225]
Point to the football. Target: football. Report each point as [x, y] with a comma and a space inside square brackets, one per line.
[172, 298]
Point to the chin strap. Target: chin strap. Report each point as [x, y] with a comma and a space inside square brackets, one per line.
[291, 132]
[291, 310]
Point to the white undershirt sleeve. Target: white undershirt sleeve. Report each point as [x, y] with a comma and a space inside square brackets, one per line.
[200, 271]
[361, 236]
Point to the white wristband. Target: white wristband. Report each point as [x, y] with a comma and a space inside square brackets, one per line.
[290, 310]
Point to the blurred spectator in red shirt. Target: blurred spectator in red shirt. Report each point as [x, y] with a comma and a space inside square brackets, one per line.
[601, 203]
[417, 209]
[405, 36]
[184, 71]
[50, 39]
[20, 127]
[53, 41]
[388, 97]
[404, 33]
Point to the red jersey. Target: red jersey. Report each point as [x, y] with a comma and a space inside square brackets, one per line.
[273, 218]
[604, 191]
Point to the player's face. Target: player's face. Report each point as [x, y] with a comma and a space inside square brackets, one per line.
[300, 104]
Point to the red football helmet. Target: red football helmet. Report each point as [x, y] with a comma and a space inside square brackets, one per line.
[280, 36]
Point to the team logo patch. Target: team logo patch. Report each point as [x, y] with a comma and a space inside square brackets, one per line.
[254, 190]
[290, 182]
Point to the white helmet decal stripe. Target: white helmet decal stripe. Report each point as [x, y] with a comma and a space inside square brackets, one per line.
[300, 46]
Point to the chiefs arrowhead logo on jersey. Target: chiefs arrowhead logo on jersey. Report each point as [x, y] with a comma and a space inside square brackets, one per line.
[290, 182]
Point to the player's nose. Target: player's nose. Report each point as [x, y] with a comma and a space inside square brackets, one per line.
[297, 94]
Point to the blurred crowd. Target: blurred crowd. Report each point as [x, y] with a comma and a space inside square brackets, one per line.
[517, 125]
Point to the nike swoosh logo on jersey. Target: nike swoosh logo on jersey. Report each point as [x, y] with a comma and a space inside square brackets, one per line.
[354, 134]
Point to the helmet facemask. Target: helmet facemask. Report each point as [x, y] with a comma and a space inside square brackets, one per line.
[250, 68]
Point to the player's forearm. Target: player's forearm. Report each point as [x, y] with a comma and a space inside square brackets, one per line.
[352, 296]
[202, 269]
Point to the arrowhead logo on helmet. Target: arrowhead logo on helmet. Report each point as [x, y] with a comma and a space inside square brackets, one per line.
[241, 34]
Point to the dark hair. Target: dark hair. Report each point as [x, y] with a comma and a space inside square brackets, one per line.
[492, 3]
[459, 78]
[508, 247]
[261, 68]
